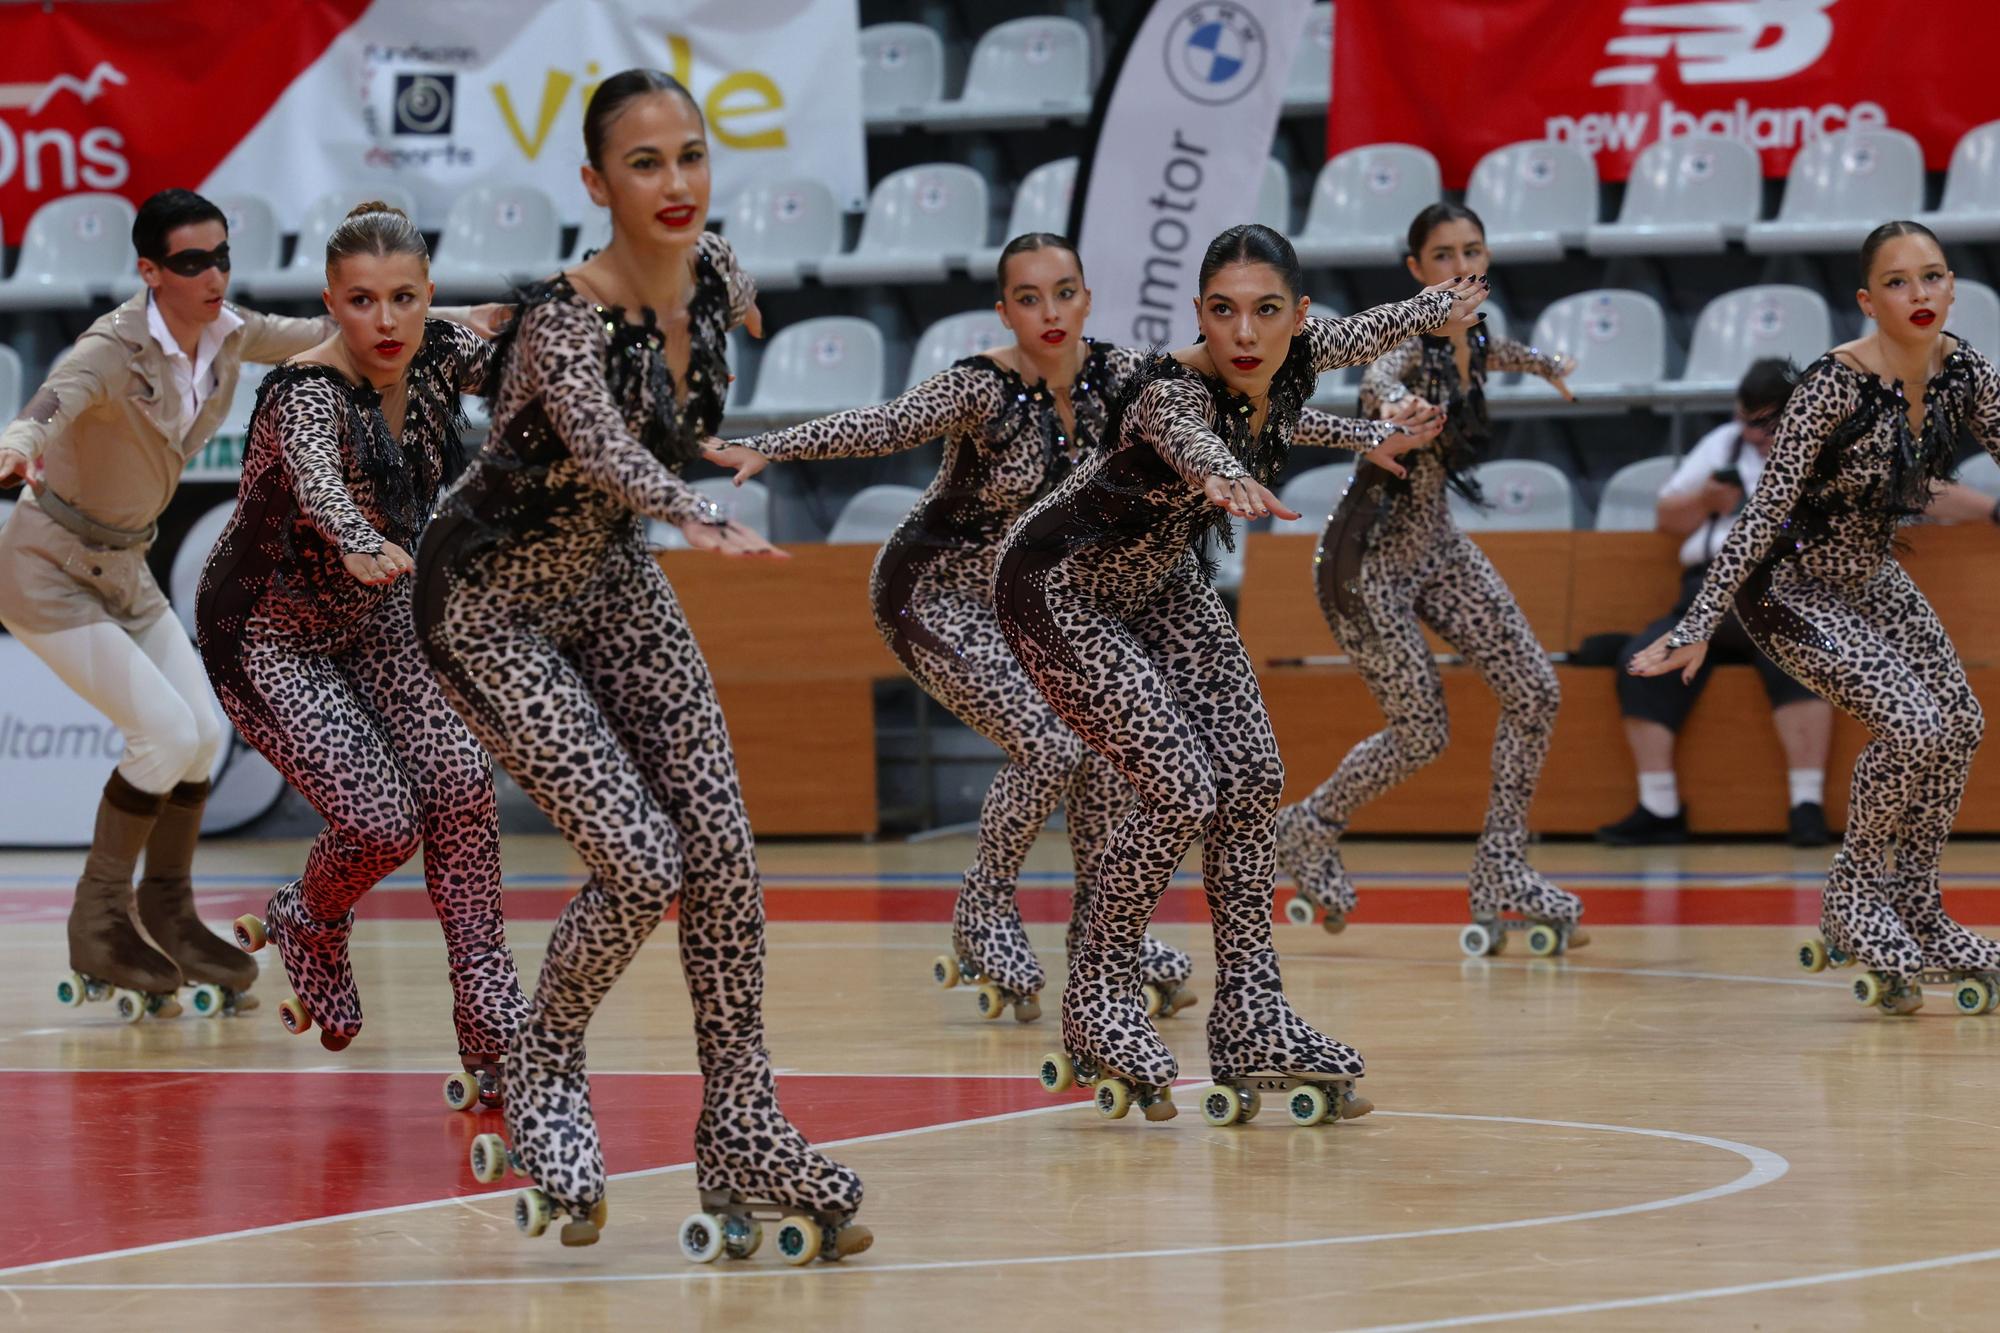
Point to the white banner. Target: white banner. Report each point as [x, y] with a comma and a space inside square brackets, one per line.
[439, 96]
[1179, 156]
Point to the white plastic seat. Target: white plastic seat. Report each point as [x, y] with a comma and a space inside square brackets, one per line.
[77, 249]
[954, 338]
[1631, 499]
[1521, 495]
[1310, 84]
[820, 365]
[10, 383]
[1041, 203]
[1840, 187]
[738, 394]
[781, 229]
[873, 514]
[1970, 209]
[1750, 324]
[1363, 201]
[184, 579]
[1535, 197]
[920, 221]
[1982, 474]
[1619, 340]
[496, 236]
[305, 276]
[902, 70]
[1685, 196]
[256, 245]
[1274, 197]
[1314, 493]
[1975, 316]
[1036, 66]
[748, 504]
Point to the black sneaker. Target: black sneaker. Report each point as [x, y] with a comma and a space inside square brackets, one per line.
[1643, 828]
[1807, 825]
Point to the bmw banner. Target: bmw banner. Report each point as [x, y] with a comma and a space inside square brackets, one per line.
[1181, 131]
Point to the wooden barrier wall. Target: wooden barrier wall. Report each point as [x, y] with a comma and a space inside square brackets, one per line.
[795, 654]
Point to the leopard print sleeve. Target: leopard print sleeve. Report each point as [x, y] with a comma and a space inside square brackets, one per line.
[1509, 354]
[1171, 412]
[1331, 432]
[306, 413]
[561, 350]
[1355, 339]
[1387, 379]
[741, 287]
[950, 402]
[469, 355]
[1825, 397]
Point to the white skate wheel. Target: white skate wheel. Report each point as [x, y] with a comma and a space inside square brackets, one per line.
[1299, 912]
[207, 1000]
[799, 1240]
[531, 1213]
[1475, 940]
[1307, 1105]
[1543, 941]
[1972, 996]
[1869, 990]
[71, 990]
[1220, 1107]
[701, 1238]
[944, 970]
[992, 1002]
[488, 1158]
[130, 1004]
[292, 1013]
[1058, 1074]
[461, 1091]
[1153, 998]
[1114, 1099]
[250, 934]
[1812, 956]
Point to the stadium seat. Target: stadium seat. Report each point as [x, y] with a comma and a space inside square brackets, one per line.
[954, 338]
[1310, 84]
[10, 383]
[818, 366]
[305, 277]
[496, 237]
[1362, 204]
[781, 229]
[78, 250]
[1619, 340]
[921, 221]
[1685, 196]
[1748, 325]
[1536, 198]
[1041, 203]
[902, 71]
[1839, 188]
[1274, 197]
[1314, 493]
[873, 514]
[1970, 210]
[256, 244]
[1521, 495]
[749, 504]
[1630, 502]
[1023, 72]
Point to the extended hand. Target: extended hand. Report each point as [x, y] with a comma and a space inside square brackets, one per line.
[384, 566]
[1656, 659]
[16, 469]
[730, 538]
[1417, 424]
[1244, 498]
[1467, 293]
[746, 461]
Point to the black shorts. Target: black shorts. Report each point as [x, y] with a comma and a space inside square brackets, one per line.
[1664, 699]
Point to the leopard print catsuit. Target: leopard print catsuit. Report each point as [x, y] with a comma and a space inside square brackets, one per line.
[1810, 566]
[322, 674]
[1005, 446]
[1101, 596]
[557, 636]
[1392, 561]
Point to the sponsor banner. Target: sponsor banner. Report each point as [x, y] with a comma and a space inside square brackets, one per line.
[1462, 77]
[1182, 128]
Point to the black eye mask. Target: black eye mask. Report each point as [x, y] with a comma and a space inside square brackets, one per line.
[194, 263]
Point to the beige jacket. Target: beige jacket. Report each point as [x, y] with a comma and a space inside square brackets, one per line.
[108, 428]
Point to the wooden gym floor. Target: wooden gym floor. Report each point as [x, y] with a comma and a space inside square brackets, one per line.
[1673, 1124]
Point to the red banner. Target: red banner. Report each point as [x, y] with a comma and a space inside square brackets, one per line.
[134, 98]
[1462, 77]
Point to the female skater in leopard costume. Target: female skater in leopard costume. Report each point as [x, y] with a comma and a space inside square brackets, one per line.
[558, 638]
[1810, 564]
[304, 623]
[1015, 420]
[1101, 596]
[1392, 561]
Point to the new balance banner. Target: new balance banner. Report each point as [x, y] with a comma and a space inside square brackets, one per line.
[292, 101]
[1462, 77]
[1181, 132]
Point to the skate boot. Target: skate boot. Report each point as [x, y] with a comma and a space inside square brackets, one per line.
[1858, 924]
[1164, 971]
[1257, 1044]
[990, 950]
[751, 1166]
[553, 1135]
[487, 1009]
[1509, 895]
[1953, 956]
[314, 955]
[1309, 856]
[1109, 1043]
[108, 957]
[220, 973]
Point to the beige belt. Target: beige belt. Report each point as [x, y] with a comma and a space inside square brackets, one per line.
[68, 516]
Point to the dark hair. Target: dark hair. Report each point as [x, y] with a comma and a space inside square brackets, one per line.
[1766, 388]
[611, 97]
[1033, 240]
[165, 211]
[1253, 243]
[1434, 216]
[375, 228]
[1887, 232]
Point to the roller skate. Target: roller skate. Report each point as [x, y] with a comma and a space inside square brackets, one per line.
[109, 959]
[990, 950]
[220, 974]
[1109, 1043]
[553, 1138]
[1164, 971]
[1961, 959]
[1860, 927]
[752, 1167]
[487, 1010]
[1510, 896]
[1257, 1044]
[1309, 856]
[314, 956]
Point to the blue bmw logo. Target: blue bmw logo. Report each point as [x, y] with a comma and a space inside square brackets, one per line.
[1215, 52]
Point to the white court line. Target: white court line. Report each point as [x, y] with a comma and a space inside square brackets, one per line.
[1765, 1166]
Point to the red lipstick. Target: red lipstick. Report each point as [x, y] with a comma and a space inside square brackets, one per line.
[388, 347]
[676, 216]
[1246, 363]
[1923, 319]
[1054, 336]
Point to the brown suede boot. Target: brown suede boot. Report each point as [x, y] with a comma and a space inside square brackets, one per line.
[105, 946]
[166, 900]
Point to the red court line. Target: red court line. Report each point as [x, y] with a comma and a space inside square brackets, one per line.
[116, 1159]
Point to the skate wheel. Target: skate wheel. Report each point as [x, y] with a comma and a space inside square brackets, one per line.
[741, 1239]
[851, 1239]
[1476, 941]
[1333, 923]
[992, 1002]
[1869, 989]
[1299, 912]
[292, 1013]
[1973, 996]
[1812, 956]
[1543, 941]
[130, 1005]
[250, 934]
[71, 990]
[1220, 1107]
[1838, 957]
[1114, 1098]
[1995, 1002]
[1058, 1073]
[1308, 1105]
[207, 1000]
[944, 970]
[1028, 1010]
[702, 1238]
[799, 1240]
[1153, 999]
[489, 1158]
[531, 1213]
[1253, 1102]
[461, 1091]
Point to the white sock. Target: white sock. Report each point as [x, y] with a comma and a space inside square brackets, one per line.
[1808, 784]
[1661, 795]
